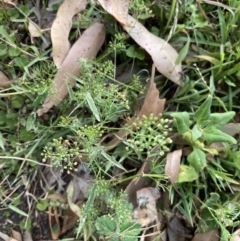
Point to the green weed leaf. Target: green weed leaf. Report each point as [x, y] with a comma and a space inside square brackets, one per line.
[112, 161]
[197, 159]
[196, 133]
[130, 229]
[42, 204]
[135, 52]
[187, 174]
[92, 105]
[214, 135]
[183, 53]
[87, 207]
[218, 120]
[182, 121]
[105, 225]
[1, 141]
[31, 121]
[203, 112]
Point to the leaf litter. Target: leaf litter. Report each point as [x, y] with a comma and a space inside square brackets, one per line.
[87, 46]
[164, 57]
[61, 28]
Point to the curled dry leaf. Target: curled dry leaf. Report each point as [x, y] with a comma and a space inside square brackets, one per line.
[152, 105]
[62, 26]
[172, 167]
[146, 212]
[162, 53]
[117, 8]
[4, 81]
[75, 208]
[87, 46]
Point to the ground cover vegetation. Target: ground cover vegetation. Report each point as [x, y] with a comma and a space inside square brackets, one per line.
[119, 120]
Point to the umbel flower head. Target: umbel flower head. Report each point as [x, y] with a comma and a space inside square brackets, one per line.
[150, 132]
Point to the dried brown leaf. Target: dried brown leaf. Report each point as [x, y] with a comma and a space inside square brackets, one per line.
[162, 53]
[16, 235]
[10, 2]
[34, 29]
[231, 129]
[212, 235]
[69, 220]
[152, 105]
[62, 26]
[146, 212]
[117, 8]
[87, 46]
[176, 230]
[235, 236]
[172, 167]
[4, 81]
[138, 183]
[5, 237]
[27, 236]
[75, 208]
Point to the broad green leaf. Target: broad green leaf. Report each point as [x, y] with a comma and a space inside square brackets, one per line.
[183, 52]
[135, 52]
[197, 159]
[196, 133]
[92, 105]
[42, 204]
[218, 120]
[203, 112]
[214, 135]
[187, 174]
[182, 121]
[105, 225]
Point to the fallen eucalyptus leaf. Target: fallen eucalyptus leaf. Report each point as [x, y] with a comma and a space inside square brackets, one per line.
[117, 8]
[62, 26]
[87, 46]
[172, 167]
[162, 53]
